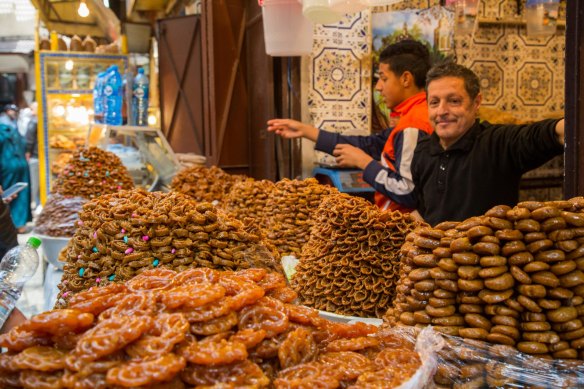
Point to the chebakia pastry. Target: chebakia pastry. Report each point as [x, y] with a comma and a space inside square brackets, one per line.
[204, 184]
[122, 234]
[350, 265]
[289, 211]
[248, 199]
[92, 172]
[202, 328]
[59, 215]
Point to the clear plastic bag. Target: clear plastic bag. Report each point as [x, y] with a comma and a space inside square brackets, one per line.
[470, 363]
[466, 363]
[428, 344]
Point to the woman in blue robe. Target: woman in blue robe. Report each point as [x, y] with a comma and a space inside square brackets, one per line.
[13, 169]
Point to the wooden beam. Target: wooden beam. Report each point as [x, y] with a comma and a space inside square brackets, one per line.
[574, 102]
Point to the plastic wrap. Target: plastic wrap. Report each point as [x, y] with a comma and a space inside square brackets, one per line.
[428, 343]
[59, 215]
[289, 263]
[467, 363]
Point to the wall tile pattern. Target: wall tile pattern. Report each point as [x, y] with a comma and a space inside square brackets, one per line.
[339, 95]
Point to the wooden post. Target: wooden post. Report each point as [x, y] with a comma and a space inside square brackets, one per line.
[574, 101]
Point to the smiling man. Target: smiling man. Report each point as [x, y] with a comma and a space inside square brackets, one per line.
[466, 167]
[386, 157]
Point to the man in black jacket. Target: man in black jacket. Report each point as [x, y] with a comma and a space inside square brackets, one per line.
[466, 167]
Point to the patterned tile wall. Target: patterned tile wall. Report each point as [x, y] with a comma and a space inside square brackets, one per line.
[339, 93]
[521, 75]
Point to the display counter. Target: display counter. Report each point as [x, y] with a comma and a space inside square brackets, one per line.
[144, 151]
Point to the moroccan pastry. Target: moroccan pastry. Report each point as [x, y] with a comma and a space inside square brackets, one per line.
[92, 172]
[123, 234]
[350, 264]
[200, 327]
[248, 199]
[512, 276]
[204, 184]
[289, 211]
[59, 215]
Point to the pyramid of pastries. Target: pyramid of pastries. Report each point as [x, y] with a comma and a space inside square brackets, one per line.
[512, 276]
[59, 215]
[289, 210]
[202, 328]
[203, 183]
[350, 265]
[122, 234]
[92, 172]
[248, 199]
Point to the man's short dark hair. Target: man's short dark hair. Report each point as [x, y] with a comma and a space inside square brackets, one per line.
[451, 69]
[407, 55]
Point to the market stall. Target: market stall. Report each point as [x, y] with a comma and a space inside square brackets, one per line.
[228, 280]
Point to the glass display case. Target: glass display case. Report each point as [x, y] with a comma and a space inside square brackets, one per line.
[65, 105]
[143, 150]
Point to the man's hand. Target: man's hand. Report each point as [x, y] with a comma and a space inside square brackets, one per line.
[289, 129]
[351, 156]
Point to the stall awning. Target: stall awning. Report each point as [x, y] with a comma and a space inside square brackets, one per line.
[62, 16]
[17, 46]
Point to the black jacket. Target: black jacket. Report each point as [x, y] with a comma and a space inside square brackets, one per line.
[31, 138]
[481, 170]
[8, 237]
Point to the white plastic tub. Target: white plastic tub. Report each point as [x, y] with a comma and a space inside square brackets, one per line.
[286, 31]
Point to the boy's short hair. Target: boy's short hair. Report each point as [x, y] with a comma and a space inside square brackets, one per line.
[451, 69]
[407, 55]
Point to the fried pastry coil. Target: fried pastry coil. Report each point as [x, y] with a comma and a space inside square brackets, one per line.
[351, 261]
[146, 372]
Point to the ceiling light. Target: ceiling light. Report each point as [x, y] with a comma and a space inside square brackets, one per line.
[83, 11]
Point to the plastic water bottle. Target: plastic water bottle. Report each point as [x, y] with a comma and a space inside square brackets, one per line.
[17, 267]
[140, 99]
[113, 96]
[98, 98]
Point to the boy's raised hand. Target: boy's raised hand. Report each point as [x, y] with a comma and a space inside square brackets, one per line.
[289, 129]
